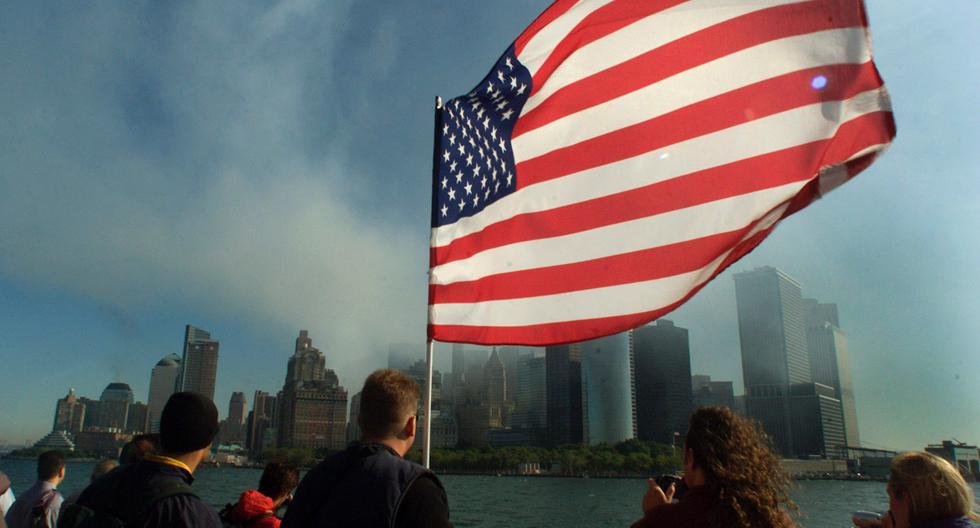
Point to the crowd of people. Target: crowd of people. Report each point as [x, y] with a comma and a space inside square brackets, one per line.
[731, 479]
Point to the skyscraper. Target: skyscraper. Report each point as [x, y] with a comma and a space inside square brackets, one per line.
[663, 381]
[113, 407]
[817, 422]
[69, 414]
[829, 362]
[233, 430]
[608, 390]
[199, 366]
[563, 385]
[530, 398]
[138, 418]
[163, 380]
[713, 393]
[353, 427]
[313, 408]
[262, 422]
[772, 335]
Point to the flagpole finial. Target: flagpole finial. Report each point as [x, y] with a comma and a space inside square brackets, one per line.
[438, 102]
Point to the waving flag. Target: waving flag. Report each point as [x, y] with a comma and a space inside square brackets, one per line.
[622, 153]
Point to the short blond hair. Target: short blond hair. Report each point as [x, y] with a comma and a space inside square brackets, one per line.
[935, 488]
[388, 398]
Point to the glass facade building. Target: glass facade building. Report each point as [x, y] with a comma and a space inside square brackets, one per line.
[663, 381]
[608, 390]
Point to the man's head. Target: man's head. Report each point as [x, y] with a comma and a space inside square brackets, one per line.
[389, 401]
[51, 466]
[139, 447]
[188, 425]
[278, 481]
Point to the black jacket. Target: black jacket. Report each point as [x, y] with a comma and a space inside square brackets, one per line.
[368, 485]
[117, 489]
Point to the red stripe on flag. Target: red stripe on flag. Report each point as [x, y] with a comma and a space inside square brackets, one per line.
[581, 330]
[637, 266]
[557, 9]
[691, 51]
[768, 170]
[739, 106]
[603, 21]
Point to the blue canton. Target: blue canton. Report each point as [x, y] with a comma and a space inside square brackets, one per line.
[476, 164]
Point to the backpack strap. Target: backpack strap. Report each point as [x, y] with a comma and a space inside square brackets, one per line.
[136, 509]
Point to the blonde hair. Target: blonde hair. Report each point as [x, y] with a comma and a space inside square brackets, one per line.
[935, 488]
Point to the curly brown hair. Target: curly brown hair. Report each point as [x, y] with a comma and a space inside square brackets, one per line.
[741, 470]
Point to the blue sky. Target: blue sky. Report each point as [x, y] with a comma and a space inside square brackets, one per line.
[255, 168]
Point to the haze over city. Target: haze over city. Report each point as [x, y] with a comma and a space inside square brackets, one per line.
[265, 170]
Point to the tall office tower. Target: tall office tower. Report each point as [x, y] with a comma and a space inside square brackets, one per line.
[69, 414]
[772, 335]
[495, 380]
[829, 362]
[262, 422]
[233, 429]
[313, 405]
[708, 393]
[530, 399]
[663, 381]
[112, 410]
[163, 380]
[93, 413]
[817, 421]
[199, 366]
[237, 407]
[138, 418]
[354, 428]
[418, 371]
[510, 356]
[563, 385]
[608, 389]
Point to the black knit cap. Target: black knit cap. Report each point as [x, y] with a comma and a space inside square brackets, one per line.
[189, 422]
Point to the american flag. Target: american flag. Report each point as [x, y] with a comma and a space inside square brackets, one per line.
[622, 153]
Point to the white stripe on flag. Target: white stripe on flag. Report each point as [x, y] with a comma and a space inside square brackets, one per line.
[623, 299]
[702, 220]
[749, 66]
[539, 48]
[640, 37]
[773, 133]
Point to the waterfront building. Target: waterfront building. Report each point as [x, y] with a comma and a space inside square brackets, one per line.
[817, 422]
[964, 457]
[708, 393]
[418, 372]
[233, 428]
[829, 362]
[445, 432]
[313, 405]
[69, 414]
[199, 365]
[102, 443]
[138, 418]
[530, 399]
[773, 340]
[353, 427]
[563, 386]
[262, 422]
[58, 440]
[163, 381]
[663, 381]
[112, 411]
[608, 390]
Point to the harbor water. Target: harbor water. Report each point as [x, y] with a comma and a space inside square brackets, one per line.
[526, 502]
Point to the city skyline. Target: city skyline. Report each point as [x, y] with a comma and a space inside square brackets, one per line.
[277, 178]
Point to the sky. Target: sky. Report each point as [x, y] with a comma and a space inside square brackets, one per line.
[257, 168]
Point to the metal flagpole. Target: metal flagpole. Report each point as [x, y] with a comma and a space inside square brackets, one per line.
[427, 406]
[427, 439]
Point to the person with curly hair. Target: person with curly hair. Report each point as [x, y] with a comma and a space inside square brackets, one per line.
[734, 479]
[925, 491]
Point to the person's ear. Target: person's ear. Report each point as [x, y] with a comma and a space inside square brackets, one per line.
[410, 426]
[61, 472]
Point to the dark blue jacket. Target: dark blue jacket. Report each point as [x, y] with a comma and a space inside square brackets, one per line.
[117, 489]
[368, 485]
